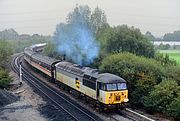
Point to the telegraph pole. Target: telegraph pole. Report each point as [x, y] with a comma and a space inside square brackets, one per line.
[20, 73]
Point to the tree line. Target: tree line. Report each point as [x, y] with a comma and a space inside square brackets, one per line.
[174, 36]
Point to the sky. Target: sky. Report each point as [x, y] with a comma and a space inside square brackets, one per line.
[42, 16]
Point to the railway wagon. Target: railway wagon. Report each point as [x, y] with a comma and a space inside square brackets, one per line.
[105, 89]
[42, 63]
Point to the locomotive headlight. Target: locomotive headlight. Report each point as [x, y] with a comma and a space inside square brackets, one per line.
[126, 100]
[109, 99]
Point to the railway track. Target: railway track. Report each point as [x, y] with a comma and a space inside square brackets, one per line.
[71, 110]
[68, 108]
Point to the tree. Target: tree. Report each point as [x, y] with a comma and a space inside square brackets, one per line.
[126, 39]
[150, 36]
[9, 34]
[5, 56]
[163, 46]
[175, 36]
[103, 35]
[98, 19]
[49, 50]
[80, 15]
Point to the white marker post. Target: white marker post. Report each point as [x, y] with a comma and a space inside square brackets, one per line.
[20, 73]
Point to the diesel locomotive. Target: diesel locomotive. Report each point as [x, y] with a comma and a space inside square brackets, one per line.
[105, 89]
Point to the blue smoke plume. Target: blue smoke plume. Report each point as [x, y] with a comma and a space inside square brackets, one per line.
[77, 42]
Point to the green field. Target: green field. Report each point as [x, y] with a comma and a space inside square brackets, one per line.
[173, 54]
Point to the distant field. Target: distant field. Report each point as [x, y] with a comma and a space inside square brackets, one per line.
[173, 54]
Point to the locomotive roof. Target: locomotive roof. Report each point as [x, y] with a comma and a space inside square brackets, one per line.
[109, 78]
[89, 73]
[76, 69]
[44, 59]
[70, 67]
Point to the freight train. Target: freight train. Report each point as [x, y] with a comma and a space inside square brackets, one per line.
[104, 89]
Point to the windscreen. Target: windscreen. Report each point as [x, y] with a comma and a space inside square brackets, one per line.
[116, 86]
[111, 87]
[121, 86]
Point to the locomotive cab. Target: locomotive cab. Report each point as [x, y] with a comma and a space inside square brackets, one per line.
[112, 90]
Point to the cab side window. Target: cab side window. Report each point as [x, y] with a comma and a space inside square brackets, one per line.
[102, 86]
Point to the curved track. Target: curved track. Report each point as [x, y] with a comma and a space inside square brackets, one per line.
[70, 109]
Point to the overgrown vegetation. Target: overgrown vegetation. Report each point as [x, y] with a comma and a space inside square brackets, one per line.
[5, 59]
[4, 78]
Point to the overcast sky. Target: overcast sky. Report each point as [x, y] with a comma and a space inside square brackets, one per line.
[42, 16]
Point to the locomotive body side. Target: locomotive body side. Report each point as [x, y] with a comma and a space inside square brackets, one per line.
[75, 81]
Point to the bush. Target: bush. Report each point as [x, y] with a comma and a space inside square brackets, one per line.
[163, 46]
[141, 73]
[173, 72]
[174, 108]
[164, 97]
[4, 79]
